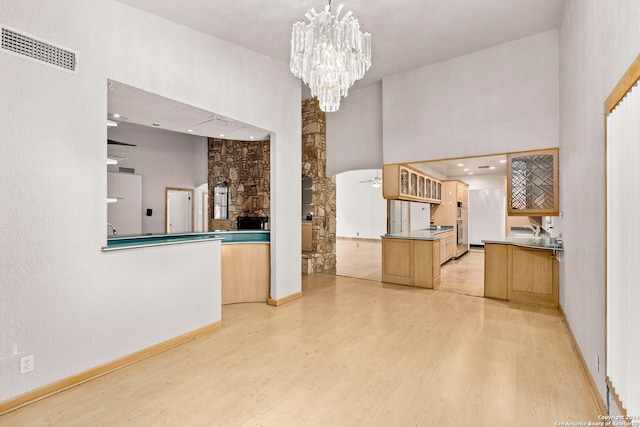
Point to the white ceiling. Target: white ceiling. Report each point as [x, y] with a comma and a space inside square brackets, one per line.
[406, 34]
[467, 166]
[148, 109]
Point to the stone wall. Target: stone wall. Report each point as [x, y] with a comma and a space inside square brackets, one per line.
[314, 165]
[245, 166]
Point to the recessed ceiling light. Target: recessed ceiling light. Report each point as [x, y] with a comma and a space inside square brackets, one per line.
[460, 164]
[251, 137]
[116, 115]
[492, 167]
[466, 170]
[503, 161]
[222, 134]
[189, 130]
[470, 173]
[156, 124]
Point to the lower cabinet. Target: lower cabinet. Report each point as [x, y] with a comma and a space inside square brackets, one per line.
[246, 272]
[534, 276]
[307, 236]
[496, 270]
[447, 247]
[521, 274]
[411, 262]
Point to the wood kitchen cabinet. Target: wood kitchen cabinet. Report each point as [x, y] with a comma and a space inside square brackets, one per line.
[411, 262]
[401, 182]
[496, 271]
[533, 183]
[533, 277]
[447, 247]
[307, 236]
[454, 193]
[521, 274]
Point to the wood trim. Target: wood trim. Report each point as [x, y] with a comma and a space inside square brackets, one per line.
[91, 374]
[629, 78]
[616, 398]
[284, 300]
[585, 370]
[466, 157]
[166, 206]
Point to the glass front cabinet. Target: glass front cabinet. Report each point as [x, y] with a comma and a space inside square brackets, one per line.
[532, 183]
[402, 182]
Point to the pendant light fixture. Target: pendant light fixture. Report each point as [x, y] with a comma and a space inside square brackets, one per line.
[329, 54]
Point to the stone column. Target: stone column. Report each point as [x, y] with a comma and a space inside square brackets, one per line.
[314, 165]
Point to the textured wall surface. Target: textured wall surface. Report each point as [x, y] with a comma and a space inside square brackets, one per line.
[62, 299]
[598, 41]
[245, 167]
[314, 165]
[354, 133]
[501, 99]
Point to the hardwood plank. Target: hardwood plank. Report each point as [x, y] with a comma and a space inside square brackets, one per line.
[91, 374]
[360, 258]
[351, 352]
[464, 275]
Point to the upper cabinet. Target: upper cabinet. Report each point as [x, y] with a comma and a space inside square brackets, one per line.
[532, 183]
[405, 183]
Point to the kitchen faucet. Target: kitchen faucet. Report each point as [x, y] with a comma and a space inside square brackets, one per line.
[115, 233]
[535, 228]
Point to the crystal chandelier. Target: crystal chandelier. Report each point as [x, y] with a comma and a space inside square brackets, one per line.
[329, 54]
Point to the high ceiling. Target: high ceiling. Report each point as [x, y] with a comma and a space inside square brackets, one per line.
[406, 34]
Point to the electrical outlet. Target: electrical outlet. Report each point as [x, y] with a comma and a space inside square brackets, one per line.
[598, 362]
[26, 364]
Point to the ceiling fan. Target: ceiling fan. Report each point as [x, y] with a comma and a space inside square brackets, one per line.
[376, 182]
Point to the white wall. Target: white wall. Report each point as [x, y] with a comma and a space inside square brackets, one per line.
[598, 41]
[354, 132]
[72, 305]
[361, 211]
[163, 159]
[501, 99]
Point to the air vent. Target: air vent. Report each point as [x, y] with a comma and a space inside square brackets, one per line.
[37, 50]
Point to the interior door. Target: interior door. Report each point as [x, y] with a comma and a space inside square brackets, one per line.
[179, 207]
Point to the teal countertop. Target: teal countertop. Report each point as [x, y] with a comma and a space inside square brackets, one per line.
[431, 233]
[525, 238]
[151, 239]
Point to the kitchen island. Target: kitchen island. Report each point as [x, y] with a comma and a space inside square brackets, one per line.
[413, 257]
[522, 268]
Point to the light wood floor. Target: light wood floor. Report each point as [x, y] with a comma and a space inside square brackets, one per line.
[350, 352]
[362, 259]
[359, 258]
[464, 275]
